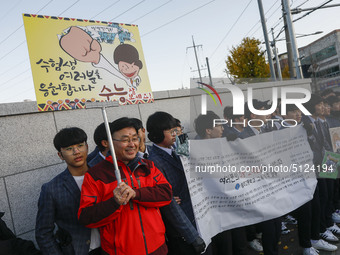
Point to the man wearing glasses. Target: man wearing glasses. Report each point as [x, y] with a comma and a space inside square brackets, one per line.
[127, 214]
[59, 201]
[179, 219]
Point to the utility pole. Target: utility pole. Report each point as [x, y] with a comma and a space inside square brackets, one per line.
[264, 27]
[292, 41]
[292, 72]
[278, 66]
[211, 84]
[198, 66]
[203, 96]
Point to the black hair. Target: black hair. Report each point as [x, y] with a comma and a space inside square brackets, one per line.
[127, 53]
[203, 122]
[236, 116]
[325, 101]
[138, 123]
[257, 105]
[100, 135]
[326, 92]
[157, 123]
[291, 108]
[178, 123]
[121, 123]
[69, 136]
[228, 112]
[332, 100]
[314, 100]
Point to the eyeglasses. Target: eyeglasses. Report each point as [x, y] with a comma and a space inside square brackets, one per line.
[80, 147]
[128, 140]
[173, 131]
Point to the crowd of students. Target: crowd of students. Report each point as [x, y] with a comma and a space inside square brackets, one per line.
[317, 219]
[95, 214]
[85, 210]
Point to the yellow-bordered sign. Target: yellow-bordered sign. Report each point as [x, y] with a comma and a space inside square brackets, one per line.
[76, 60]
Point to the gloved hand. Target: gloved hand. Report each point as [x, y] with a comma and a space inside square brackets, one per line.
[231, 137]
[309, 128]
[199, 245]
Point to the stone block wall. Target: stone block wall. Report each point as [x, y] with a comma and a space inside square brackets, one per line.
[29, 159]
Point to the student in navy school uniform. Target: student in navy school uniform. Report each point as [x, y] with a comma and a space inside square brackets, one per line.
[293, 116]
[333, 119]
[59, 201]
[236, 123]
[144, 149]
[227, 114]
[100, 138]
[183, 237]
[276, 115]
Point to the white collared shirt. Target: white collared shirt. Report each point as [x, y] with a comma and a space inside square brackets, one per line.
[167, 150]
[141, 154]
[101, 154]
[256, 132]
[95, 235]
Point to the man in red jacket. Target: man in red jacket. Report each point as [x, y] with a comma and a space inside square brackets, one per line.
[127, 215]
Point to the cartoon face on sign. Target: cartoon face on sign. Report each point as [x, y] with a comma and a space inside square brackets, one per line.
[127, 58]
[80, 45]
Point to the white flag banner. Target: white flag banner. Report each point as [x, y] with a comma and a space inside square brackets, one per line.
[239, 183]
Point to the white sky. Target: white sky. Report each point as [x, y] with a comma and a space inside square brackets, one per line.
[166, 33]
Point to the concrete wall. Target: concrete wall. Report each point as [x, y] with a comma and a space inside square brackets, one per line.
[28, 158]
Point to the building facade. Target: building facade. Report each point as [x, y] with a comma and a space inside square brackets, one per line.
[320, 61]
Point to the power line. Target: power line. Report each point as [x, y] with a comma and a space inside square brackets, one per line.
[230, 29]
[6, 82]
[224, 57]
[275, 12]
[68, 8]
[11, 34]
[23, 24]
[150, 12]
[12, 50]
[313, 10]
[267, 20]
[260, 20]
[105, 9]
[44, 6]
[4, 16]
[17, 64]
[302, 4]
[177, 18]
[128, 10]
[277, 23]
[283, 28]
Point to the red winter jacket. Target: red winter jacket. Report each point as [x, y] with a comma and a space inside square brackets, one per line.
[131, 229]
